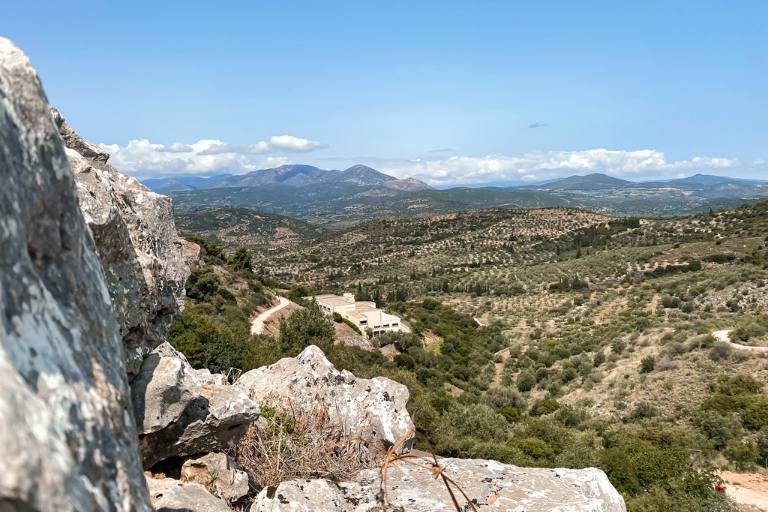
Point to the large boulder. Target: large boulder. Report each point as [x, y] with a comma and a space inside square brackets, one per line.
[491, 486]
[219, 473]
[371, 409]
[67, 433]
[142, 255]
[181, 411]
[169, 495]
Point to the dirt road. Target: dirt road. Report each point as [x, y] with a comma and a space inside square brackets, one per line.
[724, 336]
[747, 489]
[257, 324]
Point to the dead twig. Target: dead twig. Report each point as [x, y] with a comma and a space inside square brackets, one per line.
[393, 455]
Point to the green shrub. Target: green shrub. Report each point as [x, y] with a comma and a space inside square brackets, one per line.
[526, 381]
[762, 447]
[742, 454]
[756, 414]
[543, 407]
[647, 364]
[718, 428]
[307, 326]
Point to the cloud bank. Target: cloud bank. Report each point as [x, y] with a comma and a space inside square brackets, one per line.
[143, 158]
[538, 166]
[440, 167]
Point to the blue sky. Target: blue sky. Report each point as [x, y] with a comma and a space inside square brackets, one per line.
[452, 92]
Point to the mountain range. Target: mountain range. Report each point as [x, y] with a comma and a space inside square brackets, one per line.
[704, 185]
[341, 198]
[289, 175]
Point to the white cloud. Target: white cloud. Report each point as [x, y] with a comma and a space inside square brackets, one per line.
[144, 158]
[291, 143]
[550, 164]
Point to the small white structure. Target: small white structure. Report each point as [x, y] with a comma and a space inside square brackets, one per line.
[364, 314]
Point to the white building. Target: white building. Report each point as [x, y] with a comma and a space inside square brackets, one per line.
[365, 315]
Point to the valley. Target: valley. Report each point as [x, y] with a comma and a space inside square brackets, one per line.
[573, 338]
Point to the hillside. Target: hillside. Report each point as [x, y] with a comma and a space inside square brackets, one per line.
[578, 338]
[261, 232]
[434, 243]
[338, 205]
[595, 181]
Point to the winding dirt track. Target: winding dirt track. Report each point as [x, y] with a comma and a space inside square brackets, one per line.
[724, 336]
[257, 324]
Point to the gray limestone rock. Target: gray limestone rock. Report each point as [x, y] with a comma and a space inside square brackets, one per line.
[142, 255]
[373, 409]
[491, 485]
[219, 473]
[67, 433]
[181, 411]
[169, 495]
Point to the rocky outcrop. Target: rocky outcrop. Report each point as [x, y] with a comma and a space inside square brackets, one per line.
[169, 495]
[141, 253]
[219, 473]
[492, 487]
[181, 411]
[372, 409]
[66, 430]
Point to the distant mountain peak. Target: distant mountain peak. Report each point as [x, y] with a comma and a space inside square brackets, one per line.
[362, 168]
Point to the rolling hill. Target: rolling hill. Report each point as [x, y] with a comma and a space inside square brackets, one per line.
[261, 232]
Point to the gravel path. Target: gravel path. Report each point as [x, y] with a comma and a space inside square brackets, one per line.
[750, 489]
[724, 336]
[257, 324]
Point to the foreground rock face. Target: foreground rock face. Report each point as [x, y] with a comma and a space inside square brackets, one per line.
[218, 473]
[373, 409]
[142, 255]
[169, 495]
[182, 411]
[491, 485]
[66, 430]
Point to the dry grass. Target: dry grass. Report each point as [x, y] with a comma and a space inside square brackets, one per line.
[283, 445]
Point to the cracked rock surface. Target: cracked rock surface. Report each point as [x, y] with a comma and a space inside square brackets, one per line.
[492, 486]
[182, 411]
[142, 255]
[373, 409]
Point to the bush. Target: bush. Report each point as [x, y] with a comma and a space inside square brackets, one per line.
[505, 397]
[598, 359]
[647, 364]
[720, 352]
[477, 421]
[307, 326]
[718, 428]
[543, 407]
[525, 381]
[743, 454]
[403, 341]
[756, 414]
[241, 260]
[642, 411]
[762, 447]
[637, 466]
